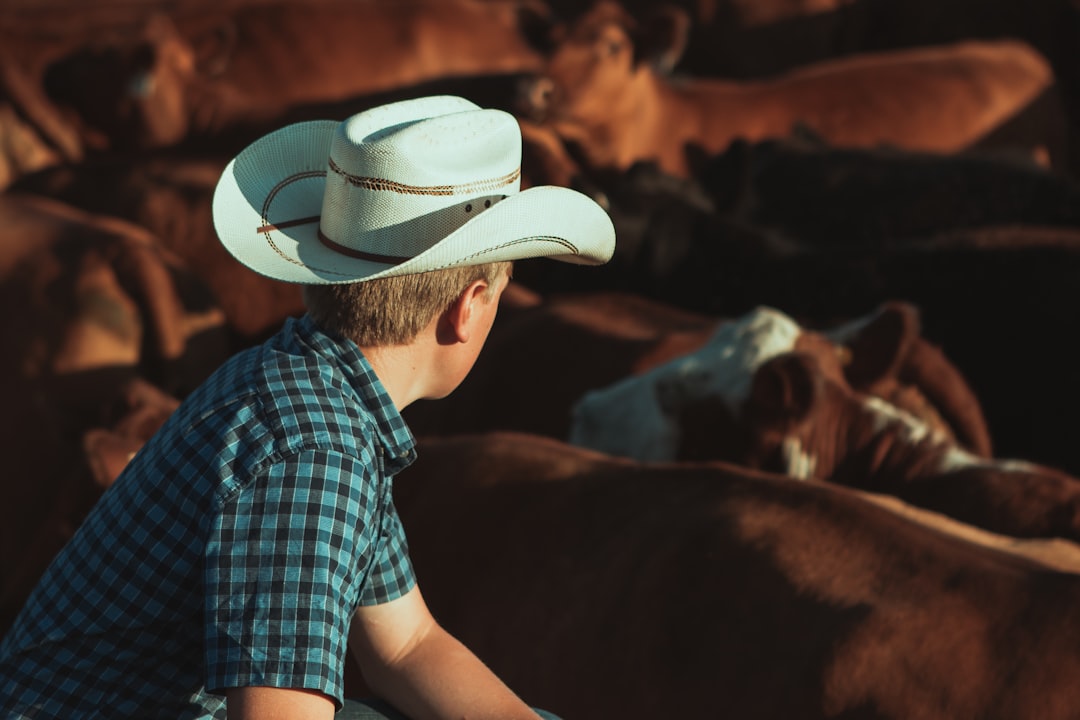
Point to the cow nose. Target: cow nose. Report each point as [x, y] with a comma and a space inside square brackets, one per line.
[540, 94]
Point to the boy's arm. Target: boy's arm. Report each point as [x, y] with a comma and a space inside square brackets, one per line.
[271, 703]
[412, 662]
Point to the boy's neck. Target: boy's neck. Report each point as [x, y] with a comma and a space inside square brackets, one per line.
[410, 371]
[400, 369]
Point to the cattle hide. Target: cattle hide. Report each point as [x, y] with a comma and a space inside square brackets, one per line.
[154, 75]
[603, 588]
[767, 397]
[600, 89]
[90, 302]
[170, 195]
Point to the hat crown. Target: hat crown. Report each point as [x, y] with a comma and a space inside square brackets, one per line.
[396, 183]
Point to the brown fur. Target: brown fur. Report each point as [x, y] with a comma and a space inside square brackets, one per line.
[151, 76]
[171, 197]
[851, 447]
[619, 110]
[570, 344]
[91, 303]
[603, 588]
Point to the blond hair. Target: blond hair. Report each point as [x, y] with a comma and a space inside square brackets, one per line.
[393, 310]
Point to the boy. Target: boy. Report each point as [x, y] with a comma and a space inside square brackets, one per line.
[254, 536]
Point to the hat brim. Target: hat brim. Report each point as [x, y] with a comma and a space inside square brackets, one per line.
[267, 203]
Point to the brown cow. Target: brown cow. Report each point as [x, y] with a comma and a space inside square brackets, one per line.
[95, 291]
[152, 76]
[572, 344]
[599, 93]
[90, 302]
[604, 588]
[763, 396]
[171, 196]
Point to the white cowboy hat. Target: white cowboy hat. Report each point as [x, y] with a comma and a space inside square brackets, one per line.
[402, 188]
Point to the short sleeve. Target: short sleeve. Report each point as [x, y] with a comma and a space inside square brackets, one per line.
[288, 559]
[390, 575]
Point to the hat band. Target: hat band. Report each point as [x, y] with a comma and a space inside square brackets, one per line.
[385, 185]
[359, 254]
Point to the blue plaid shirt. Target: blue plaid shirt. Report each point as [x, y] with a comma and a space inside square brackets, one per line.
[231, 552]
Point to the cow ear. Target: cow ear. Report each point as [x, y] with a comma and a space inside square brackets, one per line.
[880, 346]
[537, 24]
[664, 36]
[785, 391]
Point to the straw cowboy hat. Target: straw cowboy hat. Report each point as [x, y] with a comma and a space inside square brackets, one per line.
[402, 188]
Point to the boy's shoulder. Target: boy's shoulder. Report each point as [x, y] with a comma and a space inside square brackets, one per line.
[299, 389]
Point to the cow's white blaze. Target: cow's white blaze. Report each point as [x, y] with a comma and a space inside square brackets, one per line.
[887, 416]
[637, 417]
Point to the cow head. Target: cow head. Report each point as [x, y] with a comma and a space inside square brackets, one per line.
[592, 62]
[642, 417]
[752, 391]
[129, 91]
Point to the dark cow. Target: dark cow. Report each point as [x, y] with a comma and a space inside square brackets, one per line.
[821, 197]
[127, 421]
[760, 395]
[796, 197]
[570, 345]
[606, 588]
[598, 92]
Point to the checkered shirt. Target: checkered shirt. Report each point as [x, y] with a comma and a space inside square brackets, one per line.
[231, 552]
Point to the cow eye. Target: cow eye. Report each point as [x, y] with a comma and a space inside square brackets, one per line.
[613, 47]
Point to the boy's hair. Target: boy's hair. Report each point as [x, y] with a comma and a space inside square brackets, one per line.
[393, 310]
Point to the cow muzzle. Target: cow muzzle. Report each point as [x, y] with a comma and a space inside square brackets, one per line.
[535, 97]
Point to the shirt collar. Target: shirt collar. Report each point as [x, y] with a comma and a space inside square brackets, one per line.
[392, 433]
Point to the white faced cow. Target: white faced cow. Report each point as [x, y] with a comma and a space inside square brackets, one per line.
[764, 394]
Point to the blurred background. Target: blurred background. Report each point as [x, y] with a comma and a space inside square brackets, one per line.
[819, 157]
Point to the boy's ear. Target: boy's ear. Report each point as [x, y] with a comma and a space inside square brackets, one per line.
[456, 323]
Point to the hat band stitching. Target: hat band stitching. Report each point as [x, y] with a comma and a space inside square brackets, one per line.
[546, 238]
[372, 183]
